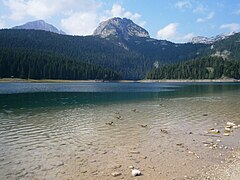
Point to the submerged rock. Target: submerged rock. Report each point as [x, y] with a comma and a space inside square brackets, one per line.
[136, 172]
[143, 125]
[134, 152]
[231, 124]
[109, 123]
[227, 129]
[131, 167]
[164, 131]
[214, 131]
[118, 117]
[226, 134]
[115, 174]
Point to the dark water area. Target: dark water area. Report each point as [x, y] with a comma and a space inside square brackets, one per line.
[37, 95]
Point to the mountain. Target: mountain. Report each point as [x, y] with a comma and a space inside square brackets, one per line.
[132, 62]
[131, 55]
[40, 25]
[211, 40]
[120, 28]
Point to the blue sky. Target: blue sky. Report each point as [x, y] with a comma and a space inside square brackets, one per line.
[174, 20]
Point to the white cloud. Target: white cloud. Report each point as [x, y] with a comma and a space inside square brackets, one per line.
[17, 7]
[233, 27]
[85, 22]
[2, 22]
[200, 9]
[79, 17]
[168, 32]
[188, 37]
[80, 23]
[45, 9]
[208, 17]
[183, 4]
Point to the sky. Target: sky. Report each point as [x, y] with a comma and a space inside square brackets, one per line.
[173, 20]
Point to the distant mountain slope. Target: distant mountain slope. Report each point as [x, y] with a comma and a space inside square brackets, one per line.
[120, 28]
[131, 57]
[228, 48]
[90, 49]
[39, 25]
[211, 40]
[132, 62]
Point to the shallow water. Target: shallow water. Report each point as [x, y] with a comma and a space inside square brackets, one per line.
[59, 131]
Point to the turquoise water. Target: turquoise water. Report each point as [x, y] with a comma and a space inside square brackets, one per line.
[44, 127]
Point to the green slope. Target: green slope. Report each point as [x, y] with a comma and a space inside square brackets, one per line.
[132, 59]
[204, 68]
[30, 64]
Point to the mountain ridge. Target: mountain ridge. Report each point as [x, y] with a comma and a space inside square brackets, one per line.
[210, 40]
[132, 57]
[39, 25]
[122, 28]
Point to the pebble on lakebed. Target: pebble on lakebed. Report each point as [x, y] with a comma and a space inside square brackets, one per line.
[115, 174]
[214, 131]
[136, 172]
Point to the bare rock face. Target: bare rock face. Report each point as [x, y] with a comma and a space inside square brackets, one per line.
[121, 28]
[39, 25]
[211, 40]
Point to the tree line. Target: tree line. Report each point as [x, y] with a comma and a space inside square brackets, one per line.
[29, 64]
[203, 68]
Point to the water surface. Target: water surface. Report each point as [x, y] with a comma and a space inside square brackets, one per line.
[59, 131]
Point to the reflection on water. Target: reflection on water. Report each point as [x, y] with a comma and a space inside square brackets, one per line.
[43, 134]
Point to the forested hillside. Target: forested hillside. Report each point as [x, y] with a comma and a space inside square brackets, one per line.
[90, 49]
[204, 68]
[29, 64]
[231, 46]
[131, 59]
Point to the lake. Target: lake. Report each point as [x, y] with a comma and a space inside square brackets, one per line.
[90, 130]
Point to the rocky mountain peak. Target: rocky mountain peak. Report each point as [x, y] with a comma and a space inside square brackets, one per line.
[211, 40]
[121, 28]
[39, 25]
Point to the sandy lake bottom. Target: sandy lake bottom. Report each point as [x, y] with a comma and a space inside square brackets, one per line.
[59, 136]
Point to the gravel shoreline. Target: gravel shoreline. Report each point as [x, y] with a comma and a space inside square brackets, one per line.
[229, 170]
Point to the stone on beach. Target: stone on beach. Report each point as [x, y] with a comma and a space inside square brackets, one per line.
[136, 172]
